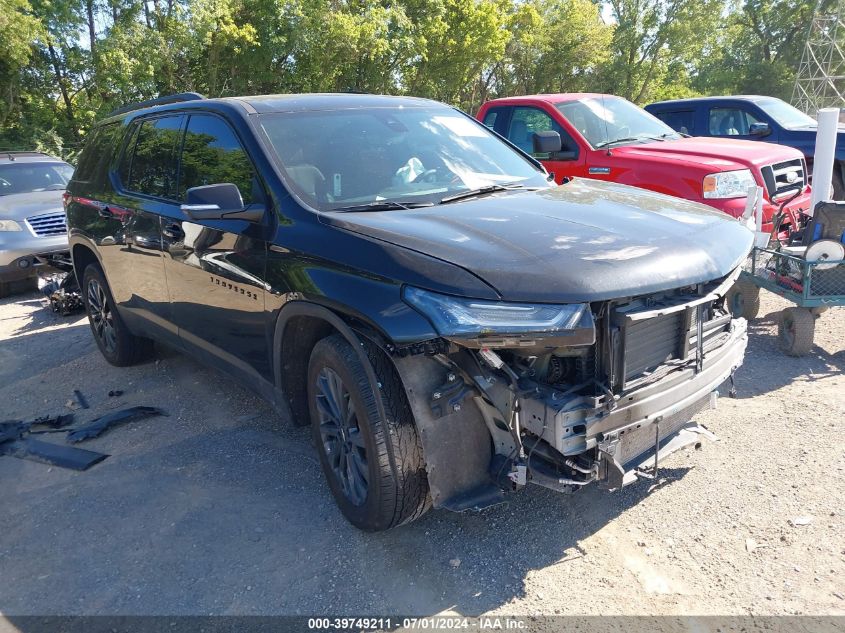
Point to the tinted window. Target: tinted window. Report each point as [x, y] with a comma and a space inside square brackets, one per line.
[490, 118]
[730, 122]
[126, 157]
[679, 120]
[95, 158]
[212, 154]
[153, 168]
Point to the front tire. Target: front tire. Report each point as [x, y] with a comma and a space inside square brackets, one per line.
[374, 465]
[117, 344]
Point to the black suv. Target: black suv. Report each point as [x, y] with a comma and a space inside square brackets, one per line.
[453, 324]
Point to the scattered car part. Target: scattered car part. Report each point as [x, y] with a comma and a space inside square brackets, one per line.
[114, 393]
[52, 454]
[98, 426]
[14, 441]
[80, 399]
[61, 286]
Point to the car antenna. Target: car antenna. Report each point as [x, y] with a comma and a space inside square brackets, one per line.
[606, 130]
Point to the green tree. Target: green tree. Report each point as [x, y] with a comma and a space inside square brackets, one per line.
[758, 49]
[655, 41]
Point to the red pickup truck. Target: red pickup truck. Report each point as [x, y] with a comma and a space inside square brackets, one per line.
[608, 138]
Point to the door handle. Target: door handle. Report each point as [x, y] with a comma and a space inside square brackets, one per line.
[173, 231]
[105, 212]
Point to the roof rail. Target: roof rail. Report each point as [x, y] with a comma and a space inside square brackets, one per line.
[13, 154]
[177, 98]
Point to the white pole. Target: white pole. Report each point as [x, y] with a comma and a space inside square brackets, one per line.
[823, 159]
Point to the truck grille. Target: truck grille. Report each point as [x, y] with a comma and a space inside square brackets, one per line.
[785, 177]
[48, 224]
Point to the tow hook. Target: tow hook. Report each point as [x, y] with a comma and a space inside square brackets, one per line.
[610, 472]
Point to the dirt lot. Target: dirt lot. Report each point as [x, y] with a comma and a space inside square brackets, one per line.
[220, 508]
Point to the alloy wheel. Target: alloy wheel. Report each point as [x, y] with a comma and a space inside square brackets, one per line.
[341, 436]
[101, 315]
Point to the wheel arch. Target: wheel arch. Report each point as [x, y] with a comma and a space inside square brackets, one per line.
[82, 256]
[299, 326]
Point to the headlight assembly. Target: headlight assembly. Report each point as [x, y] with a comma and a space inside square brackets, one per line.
[728, 184]
[463, 318]
[9, 225]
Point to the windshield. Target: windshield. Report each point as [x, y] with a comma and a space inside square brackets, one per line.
[605, 121]
[29, 177]
[344, 158]
[785, 114]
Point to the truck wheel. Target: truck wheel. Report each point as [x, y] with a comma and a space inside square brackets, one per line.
[117, 344]
[743, 299]
[374, 466]
[795, 331]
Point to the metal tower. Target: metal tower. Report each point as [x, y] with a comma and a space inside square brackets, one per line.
[820, 82]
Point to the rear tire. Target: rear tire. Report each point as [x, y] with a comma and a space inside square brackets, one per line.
[796, 330]
[743, 299]
[117, 344]
[374, 465]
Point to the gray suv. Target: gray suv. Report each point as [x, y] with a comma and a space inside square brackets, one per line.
[32, 220]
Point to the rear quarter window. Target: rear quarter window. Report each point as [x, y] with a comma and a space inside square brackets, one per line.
[97, 154]
[679, 120]
[153, 171]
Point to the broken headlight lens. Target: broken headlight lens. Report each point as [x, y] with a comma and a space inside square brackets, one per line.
[728, 184]
[9, 225]
[459, 316]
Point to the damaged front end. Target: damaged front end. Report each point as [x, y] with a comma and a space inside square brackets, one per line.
[564, 395]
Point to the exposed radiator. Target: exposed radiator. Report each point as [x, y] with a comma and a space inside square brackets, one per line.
[651, 343]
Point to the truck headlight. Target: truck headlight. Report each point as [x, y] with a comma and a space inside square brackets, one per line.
[728, 184]
[9, 225]
[462, 317]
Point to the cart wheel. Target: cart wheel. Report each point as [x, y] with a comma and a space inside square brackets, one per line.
[743, 299]
[795, 331]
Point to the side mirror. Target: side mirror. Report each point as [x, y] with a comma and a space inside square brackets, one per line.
[222, 201]
[547, 142]
[759, 129]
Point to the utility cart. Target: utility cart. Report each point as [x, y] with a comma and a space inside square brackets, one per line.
[813, 286]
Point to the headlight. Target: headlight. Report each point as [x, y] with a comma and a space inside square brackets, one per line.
[728, 184]
[9, 225]
[471, 318]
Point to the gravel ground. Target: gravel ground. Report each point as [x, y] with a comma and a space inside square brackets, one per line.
[221, 508]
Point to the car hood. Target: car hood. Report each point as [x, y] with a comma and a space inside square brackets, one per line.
[716, 153]
[583, 241]
[19, 206]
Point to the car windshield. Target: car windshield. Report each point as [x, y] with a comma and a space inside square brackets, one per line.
[607, 121]
[393, 158]
[29, 177]
[785, 114]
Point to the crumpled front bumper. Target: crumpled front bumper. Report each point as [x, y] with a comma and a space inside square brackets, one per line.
[625, 435]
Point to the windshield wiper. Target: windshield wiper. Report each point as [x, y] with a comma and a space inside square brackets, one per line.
[479, 192]
[382, 205]
[619, 140]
